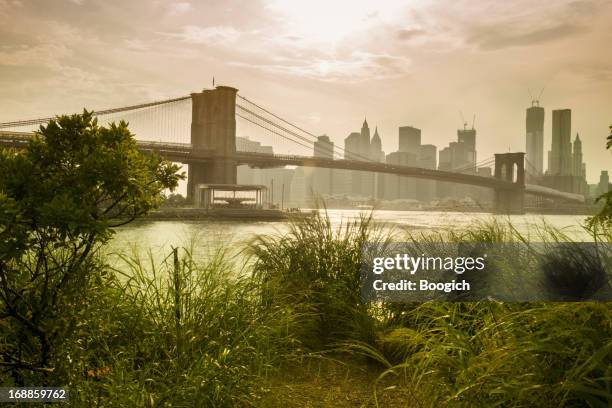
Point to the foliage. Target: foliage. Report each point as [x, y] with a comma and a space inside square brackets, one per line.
[315, 269]
[186, 333]
[180, 334]
[604, 217]
[493, 353]
[59, 200]
[173, 200]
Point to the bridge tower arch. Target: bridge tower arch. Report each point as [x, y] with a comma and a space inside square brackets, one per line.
[213, 129]
[510, 167]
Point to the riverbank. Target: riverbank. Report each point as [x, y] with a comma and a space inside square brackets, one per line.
[189, 213]
[244, 214]
[289, 328]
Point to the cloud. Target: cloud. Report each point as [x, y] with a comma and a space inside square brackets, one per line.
[408, 34]
[599, 72]
[527, 24]
[42, 55]
[178, 7]
[357, 67]
[7, 6]
[207, 35]
[136, 45]
[498, 37]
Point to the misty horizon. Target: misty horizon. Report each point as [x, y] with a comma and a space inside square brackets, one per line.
[398, 64]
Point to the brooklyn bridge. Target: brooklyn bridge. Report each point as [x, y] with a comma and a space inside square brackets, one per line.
[200, 130]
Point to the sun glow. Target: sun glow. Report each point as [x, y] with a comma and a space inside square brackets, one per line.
[331, 21]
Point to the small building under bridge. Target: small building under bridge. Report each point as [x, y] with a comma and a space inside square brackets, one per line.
[230, 196]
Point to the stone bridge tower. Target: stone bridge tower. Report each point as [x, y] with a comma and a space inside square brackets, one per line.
[510, 167]
[213, 128]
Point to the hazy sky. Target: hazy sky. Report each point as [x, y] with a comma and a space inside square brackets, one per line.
[324, 64]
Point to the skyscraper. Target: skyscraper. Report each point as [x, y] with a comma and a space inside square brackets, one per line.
[459, 156]
[320, 180]
[352, 151]
[565, 170]
[377, 154]
[560, 157]
[427, 156]
[364, 140]
[399, 187]
[367, 178]
[409, 139]
[426, 189]
[352, 146]
[244, 173]
[578, 166]
[604, 183]
[324, 147]
[467, 137]
[534, 124]
[444, 189]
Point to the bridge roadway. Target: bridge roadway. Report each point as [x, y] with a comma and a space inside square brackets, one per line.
[185, 153]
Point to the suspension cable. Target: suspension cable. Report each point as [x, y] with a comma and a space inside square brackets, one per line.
[41, 121]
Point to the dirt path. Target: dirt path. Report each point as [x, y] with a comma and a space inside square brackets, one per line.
[332, 383]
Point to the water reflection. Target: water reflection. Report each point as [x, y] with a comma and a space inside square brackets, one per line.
[158, 237]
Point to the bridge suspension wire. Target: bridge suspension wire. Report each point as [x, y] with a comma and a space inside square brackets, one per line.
[307, 136]
[531, 168]
[166, 121]
[337, 151]
[279, 130]
[483, 163]
[275, 128]
[41, 121]
[266, 125]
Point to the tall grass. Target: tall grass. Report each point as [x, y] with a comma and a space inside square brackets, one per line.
[181, 334]
[314, 269]
[515, 355]
[501, 354]
[206, 334]
[455, 354]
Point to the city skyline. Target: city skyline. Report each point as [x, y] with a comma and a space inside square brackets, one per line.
[401, 63]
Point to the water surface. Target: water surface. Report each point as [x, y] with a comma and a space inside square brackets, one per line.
[204, 236]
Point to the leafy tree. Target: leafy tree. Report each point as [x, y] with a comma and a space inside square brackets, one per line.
[173, 201]
[59, 200]
[604, 217]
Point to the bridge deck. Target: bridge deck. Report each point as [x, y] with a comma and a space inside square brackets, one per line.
[185, 153]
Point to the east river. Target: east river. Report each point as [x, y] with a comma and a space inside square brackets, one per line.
[207, 236]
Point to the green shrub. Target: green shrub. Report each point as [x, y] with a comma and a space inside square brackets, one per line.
[59, 198]
[315, 270]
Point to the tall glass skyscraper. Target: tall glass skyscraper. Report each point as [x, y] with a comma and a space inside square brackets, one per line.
[560, 157]
[535, 140]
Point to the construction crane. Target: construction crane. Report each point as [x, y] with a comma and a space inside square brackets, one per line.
[465, 124]
[535, 101]
[463, 119]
